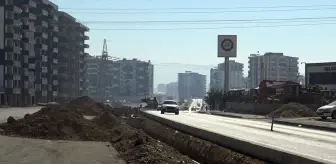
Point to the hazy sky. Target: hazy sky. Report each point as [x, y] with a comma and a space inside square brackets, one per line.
[195, 49]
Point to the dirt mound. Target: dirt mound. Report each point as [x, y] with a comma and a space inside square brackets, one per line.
[86, 106]
[135, 146]
[55, 123]
[292, 110]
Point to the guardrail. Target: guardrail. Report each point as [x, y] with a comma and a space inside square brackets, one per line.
[264, 153]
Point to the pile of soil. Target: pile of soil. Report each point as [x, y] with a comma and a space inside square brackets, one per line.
[137, 147]
[292, 110]
[86, 106]
[56, 122]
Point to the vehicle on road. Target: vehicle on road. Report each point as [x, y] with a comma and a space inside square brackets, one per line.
[327, 111]
[170, 106]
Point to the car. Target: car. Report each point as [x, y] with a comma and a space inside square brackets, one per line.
[327, 111]
[170, 106]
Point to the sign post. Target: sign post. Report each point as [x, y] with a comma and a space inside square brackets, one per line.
[227, 47]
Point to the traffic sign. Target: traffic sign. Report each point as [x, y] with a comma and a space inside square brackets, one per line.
[227, 46]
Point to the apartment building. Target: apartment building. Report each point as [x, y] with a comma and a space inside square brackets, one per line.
[46, 50]
[27, 29]
[93, 76]
[236, 78]
[132, 79]
[71, 61]
[272, 66]
[191, 85]
[172, 90]
[123, 79]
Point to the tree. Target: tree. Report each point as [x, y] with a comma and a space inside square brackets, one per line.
[213, 97]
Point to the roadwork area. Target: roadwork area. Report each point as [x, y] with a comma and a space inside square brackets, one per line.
[16, 150]
[67, 122]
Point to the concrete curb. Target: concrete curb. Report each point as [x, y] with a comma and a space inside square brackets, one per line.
[282, 122]
[244, 147]
[220, 114]
[325, 128]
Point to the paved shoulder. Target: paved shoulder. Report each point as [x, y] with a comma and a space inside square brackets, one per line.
[34, 151]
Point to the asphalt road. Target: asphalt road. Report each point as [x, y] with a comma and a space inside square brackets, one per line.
[319, 145]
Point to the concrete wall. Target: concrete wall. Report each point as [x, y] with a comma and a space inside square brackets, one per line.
[251, 108]
[258, 109]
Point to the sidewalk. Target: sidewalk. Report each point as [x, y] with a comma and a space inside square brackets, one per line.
[35, 151]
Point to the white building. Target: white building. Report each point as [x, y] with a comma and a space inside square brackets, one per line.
[191, 85]
[272, 66]
[161, 88]
[172, 90]
[236, 78]
[323, 74]
[123, 79]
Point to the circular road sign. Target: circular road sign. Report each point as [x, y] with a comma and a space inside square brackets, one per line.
[227, 45]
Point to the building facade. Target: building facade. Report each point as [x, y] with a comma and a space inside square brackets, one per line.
[28, 44]
[133, 79]
[272, 66]
[172, 90]
[323, 74]
[191, 85]
[236, 78]
[162, 88]
[124, 79]
[72, 63]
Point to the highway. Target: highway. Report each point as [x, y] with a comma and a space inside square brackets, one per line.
[313, 144]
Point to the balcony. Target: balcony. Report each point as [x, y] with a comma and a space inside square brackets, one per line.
[55, 71]
[55, 93]
[44, 81]
[55, 29]
[14, 8]
[86, 46]
[44, 93]
[44, 12]
[55, 82]
[29, 15]
[31, 3]
[55, 50]
[44, 35]
[44, 70]
[29, 27]
[44, 24]
[86, 37]
[55, 39]
[17, 63]
[16, 90]
[44, 47]
[55, 61]
[44, 58]
[31, 66]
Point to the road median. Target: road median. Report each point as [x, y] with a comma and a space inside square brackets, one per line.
[251, 149]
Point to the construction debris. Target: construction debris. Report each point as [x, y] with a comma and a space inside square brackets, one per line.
[292, 110]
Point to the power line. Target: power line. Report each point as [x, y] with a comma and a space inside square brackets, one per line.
[209, 8]
[199, 21]
[202, 12]
[213, 28]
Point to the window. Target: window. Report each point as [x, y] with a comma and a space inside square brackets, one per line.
[322, 78]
